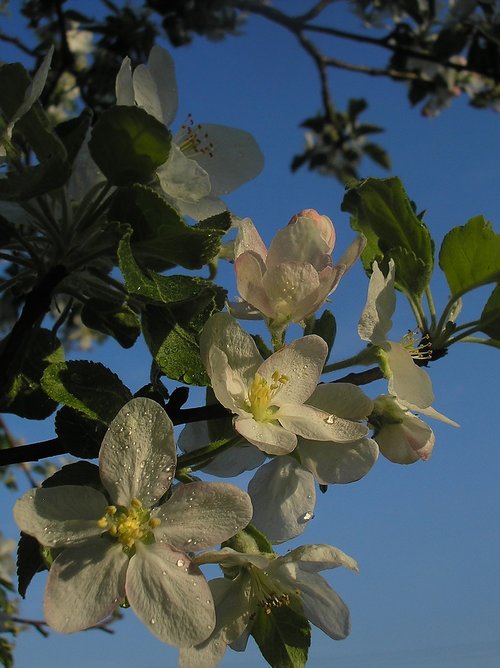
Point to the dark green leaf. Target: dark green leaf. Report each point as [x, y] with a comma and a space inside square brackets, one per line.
[25, 396]
[29, 562]
[116, 320]
[72, 133]
[81, 435]
[78, 473]
[129, 145]
[470, 256]
[324, 326]
[283, 637]
[88, 387]
[161, 238]
[382, 211]
[490, 317]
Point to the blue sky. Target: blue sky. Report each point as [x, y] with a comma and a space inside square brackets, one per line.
[426, 536]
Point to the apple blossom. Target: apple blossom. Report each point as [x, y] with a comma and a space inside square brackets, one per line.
[401, 436]
[205, 160]
[268, 396]
[283, 491]
[291, 280]
[116, 543]
[409, 383]
[269, 582]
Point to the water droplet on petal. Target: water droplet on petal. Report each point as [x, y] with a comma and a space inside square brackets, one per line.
[153, 621]
[307, 516]
[180, 563]
[330, 419]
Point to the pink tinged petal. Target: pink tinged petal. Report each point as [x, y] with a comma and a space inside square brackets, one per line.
[137, 457]
[162, 69]
[407, 442]
[57, 516]
[267, 436]
[123, 86]
[249, 279]
[182, 178]
[241, 457]
[322, 222]
[233, 158]
[223, 331]
[170, 595]
[321, 605]
[408, 382]
[291, 288]
[248, 239]
[300, 242]
[283, 496]
[375, 321]
[342, 399]
[316, 425]
[199, 515]
[338, 463]
[352, 253]
[302, 362]
[85, 584]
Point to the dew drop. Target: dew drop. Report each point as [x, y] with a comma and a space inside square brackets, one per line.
[153, 621]
[307, 516]
[180, 563]
[164, 572]
[330, 419]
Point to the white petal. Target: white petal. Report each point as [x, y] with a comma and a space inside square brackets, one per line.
[223, 331]
[241, 457]
[338, 463]
[342, 399]
[300, 242]
[283, 496]
[406, 442]
[291, 288]
[183, 178]
[137, 456]
[35, 88]
[145, 91]
[84, 585]
[314, 558]
[409, 383]
[162, 69]
[302, 362]
[202, 514]
[375, 321]
[57, 516]
[228, 386]
[170, 595]
[316, 425]
[234, 158]
[266, 436]
[248, 239]
[123, 86]
[204, 208]
[432, 413]
[249, 278]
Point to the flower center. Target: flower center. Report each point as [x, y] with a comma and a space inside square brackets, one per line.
[269, 593]
[128, 525]
[193, 140]
[261, 394]
[421, 350]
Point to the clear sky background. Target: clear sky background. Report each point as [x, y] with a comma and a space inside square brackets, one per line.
[426, 536]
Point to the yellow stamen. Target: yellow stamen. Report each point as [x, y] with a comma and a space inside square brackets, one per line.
[129, 525]
[261, 394]
[421, 350]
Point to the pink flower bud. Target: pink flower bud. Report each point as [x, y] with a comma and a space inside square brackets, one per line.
[323, 223]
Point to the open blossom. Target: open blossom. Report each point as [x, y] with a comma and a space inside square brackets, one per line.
[118, 544]
[205, 160]
[409, 383]
[267, 582]
[268, 396]
[292, 279]
[283, 491]
[402, 437]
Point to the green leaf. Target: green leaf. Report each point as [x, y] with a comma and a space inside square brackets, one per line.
[382, 211]
[490, 317]
[81, 435]
[116, 320]
[72, 133]
[283, 637]
[470, 256]
[128, 145]
[87, 387]
[78, 473]
[29, 562]
[161, 238]
[250, 541]
[25, 396]
[324, 326]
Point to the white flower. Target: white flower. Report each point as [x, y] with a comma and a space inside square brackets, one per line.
[409, 383]
[118, 543]
[292, 279]
[205, 160]
[283, 492]
[268, 396]
[268, 582]
[402, 437]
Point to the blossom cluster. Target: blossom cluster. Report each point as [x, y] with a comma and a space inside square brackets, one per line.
[138, 531]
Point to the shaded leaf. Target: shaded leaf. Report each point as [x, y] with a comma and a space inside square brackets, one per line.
[283, 637]
[490, 317]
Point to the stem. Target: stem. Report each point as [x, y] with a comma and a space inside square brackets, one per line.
[485, 342]
[430, 303]
[186, 462]
[364, 358]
